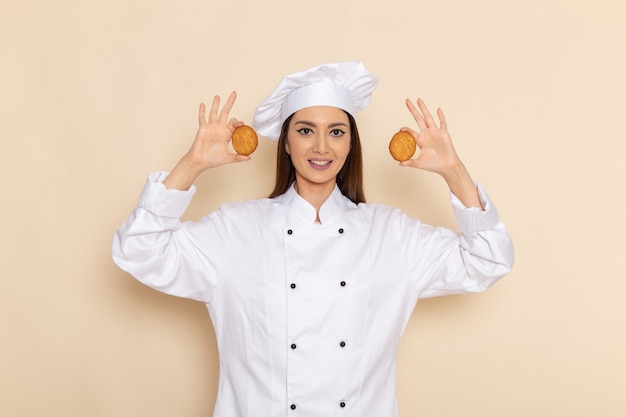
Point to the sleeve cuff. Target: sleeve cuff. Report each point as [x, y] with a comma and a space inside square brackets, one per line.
[160, 201]
[472, 220]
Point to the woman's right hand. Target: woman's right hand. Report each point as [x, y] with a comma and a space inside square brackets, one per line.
[210, 147]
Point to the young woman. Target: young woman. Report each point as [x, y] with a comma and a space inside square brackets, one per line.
[309, 290]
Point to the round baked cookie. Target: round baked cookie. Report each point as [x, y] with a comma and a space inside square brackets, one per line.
[244, 140]
[402, 146]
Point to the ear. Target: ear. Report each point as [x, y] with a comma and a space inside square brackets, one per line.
[287, 148]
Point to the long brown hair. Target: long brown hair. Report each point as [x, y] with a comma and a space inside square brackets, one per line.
[349, 179]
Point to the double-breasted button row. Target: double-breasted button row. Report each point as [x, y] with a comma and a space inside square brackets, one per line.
[293, 285]
[342, 404]
[293, 346]
[340, 231]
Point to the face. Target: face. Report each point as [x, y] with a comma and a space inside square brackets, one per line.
[318, 141]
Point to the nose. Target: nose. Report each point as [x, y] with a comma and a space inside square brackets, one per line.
[321, 144]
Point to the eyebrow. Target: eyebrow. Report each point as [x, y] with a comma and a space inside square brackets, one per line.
[311, 124]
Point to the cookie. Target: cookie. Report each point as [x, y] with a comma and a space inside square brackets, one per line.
[402, 146]
[244, 140]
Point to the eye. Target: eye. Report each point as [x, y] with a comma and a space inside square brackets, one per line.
[305, 131]
[337, 132]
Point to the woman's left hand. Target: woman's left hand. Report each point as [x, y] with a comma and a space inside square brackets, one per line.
[436, 152]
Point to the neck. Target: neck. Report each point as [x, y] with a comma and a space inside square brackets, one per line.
[314, 194]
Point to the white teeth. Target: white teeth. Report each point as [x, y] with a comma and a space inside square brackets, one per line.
[320, 163]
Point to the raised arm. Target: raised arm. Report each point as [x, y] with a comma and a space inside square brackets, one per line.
[210, 146]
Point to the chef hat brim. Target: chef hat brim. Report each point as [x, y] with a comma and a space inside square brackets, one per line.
[346, 85]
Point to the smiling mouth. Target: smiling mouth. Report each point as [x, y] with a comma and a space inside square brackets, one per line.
[319, 163]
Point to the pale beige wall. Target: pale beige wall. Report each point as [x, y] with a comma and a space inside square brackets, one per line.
[96, 94]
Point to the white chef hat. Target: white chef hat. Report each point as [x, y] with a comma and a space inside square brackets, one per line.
[346, 85]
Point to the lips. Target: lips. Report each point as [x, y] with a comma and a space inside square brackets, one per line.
[320, 163]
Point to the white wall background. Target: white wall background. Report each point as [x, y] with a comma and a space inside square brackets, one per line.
[95, 94]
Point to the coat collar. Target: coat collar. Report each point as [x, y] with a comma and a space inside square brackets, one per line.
[301, 211]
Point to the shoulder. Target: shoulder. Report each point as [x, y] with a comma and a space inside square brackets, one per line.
[247, 206]
[261, 210]
[380, 214]
[376, 209]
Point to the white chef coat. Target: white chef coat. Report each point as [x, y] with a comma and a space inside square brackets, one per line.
[308, 317]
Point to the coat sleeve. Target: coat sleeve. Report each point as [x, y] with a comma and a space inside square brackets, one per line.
[160, 251]
[444, 262]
